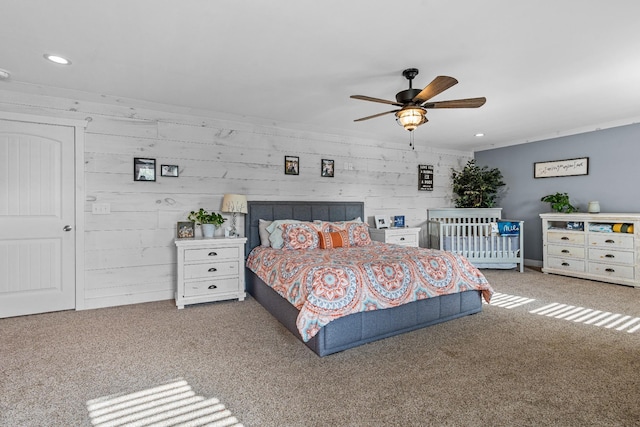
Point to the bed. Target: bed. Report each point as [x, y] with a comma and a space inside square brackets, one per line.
[358, 328]
[479, 234]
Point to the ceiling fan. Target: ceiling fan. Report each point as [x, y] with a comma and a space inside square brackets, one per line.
[414, 102]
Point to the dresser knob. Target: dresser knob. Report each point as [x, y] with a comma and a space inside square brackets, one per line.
[609, 270]
[402, 238]
[213, 287]
[565, 251]
[213, 254]
[609, 241]
[212, 269]
[564, 238]
[566, 264]
[610, 256]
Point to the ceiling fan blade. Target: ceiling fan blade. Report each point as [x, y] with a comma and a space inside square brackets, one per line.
[457, 103]
[438, 85]
[375, 115]
[368, 98]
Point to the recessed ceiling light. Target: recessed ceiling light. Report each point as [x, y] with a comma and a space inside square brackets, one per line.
[57, 59]
[479, 135]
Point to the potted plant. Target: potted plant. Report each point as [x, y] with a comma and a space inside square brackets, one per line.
[559, 202]
[476, 187]
[208, 220]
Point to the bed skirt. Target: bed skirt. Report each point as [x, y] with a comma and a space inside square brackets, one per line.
[361, 328]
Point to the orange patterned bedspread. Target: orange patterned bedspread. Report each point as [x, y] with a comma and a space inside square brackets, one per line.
[325, 285]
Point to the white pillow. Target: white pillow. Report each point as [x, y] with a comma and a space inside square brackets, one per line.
[275, 231]
[264, 234]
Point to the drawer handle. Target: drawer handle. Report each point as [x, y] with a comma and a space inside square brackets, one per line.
[212, 269]
[609, 256]
[609, 270]
[402, 238]
[213, 254]
[609, 241]
[213, 287]
[564, 238]
[565, 251]
[566, 264]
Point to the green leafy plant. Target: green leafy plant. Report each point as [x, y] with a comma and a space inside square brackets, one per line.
[559, 202]
[476, 187]
[204, 217]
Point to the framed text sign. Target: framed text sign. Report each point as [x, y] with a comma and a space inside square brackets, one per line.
[556, 168]
[425, 177]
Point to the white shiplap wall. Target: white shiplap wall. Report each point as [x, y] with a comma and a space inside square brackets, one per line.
[129, 254]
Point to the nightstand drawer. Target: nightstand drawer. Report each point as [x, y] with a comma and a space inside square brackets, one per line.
[211, 254]
[611, 270]
[403, 239]
[566, 264]
[210, 287]
[566, 251]
[561, 237]
[194, 271]
[611, 255]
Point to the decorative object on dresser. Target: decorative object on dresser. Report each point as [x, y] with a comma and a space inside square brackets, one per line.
[185, 230]
[208, 221]
[470, 232]
[409, 236]
[209, 270]
[602, 246]
[382, 221]
[234, 204]
[559, 202]
[593, 207]
[398, 221]
[144, 169]
[475, 186]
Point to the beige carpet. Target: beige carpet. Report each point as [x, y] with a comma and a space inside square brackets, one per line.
[524, 361]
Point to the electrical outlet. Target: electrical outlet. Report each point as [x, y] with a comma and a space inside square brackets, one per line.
[101, 208]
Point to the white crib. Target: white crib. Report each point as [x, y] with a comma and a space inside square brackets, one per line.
[468, 232]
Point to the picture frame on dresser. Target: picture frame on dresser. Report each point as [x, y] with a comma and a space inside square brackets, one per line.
[382, 221]
[185, 230]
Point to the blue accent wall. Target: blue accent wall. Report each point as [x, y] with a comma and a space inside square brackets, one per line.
[613, 179]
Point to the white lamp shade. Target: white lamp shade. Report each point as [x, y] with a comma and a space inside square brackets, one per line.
[234, 203]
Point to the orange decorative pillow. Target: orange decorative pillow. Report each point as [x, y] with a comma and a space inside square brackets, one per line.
[334, 239]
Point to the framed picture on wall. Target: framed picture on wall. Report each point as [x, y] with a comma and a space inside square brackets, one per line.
[169, 170]
[558, 168]
[291, 165]
[326, 168]
[144, 169]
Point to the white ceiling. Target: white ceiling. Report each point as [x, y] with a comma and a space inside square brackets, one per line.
[546, 67]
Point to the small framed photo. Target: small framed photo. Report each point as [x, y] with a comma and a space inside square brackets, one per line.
[382, 221]
[326, 168]
[144, 169]
[185, 230]
[291, 165]
[169, 170]
[398, 221]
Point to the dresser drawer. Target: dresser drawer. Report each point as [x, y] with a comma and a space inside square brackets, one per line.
[564, 237]
[191, 255]
[210, 287]
[566, 264]
[611, 270]
[211, 269]
[565, 251]
[611, 255]
[611, 240]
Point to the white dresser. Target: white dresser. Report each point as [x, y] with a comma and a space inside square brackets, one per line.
[583, 245]
[209, 270]
[409, 236]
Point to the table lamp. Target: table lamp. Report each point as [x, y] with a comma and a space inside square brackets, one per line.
[234, 204]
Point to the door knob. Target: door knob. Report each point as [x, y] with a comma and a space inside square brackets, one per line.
[67, 228]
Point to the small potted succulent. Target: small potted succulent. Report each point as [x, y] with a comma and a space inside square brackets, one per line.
[208, 220]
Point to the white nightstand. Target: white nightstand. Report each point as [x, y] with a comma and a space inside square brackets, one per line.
[399, 236]
[210, 270]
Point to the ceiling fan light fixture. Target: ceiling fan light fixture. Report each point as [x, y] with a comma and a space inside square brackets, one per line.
[411, 117]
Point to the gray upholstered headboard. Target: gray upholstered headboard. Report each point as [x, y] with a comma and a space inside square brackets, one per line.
[303, 211]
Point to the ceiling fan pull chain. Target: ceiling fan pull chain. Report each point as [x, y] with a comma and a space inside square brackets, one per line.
[411, 143]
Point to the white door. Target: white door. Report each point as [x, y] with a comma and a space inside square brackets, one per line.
[37, 233]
